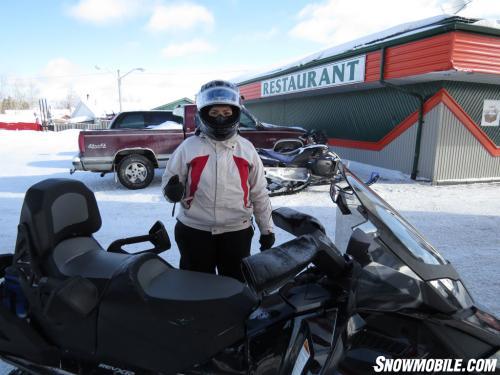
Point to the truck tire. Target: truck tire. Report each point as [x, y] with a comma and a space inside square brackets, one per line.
[135, 171]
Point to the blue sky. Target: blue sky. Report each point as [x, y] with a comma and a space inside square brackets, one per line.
[52, 47]
[36, 32]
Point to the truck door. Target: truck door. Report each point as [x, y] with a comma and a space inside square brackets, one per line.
[255, 133]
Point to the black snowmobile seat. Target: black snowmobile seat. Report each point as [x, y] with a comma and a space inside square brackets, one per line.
[84, 256]
[60, 216]
[284, 158]
[171, 320]
[159, 281]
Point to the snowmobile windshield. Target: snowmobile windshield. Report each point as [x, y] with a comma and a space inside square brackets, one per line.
[419, 248]
[402, 265]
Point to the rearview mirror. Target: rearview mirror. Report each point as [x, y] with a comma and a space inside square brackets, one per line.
[373, 178]
[338, 197]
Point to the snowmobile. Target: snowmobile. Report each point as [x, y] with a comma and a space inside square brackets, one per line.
[71, 307]
[291, 171]
[310, 137]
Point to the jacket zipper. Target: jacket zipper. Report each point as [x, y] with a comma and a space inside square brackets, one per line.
[216, 183]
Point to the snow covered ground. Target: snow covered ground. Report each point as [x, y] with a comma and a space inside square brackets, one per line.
[462, 221]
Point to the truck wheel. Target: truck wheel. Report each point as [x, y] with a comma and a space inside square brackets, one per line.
[135, 171]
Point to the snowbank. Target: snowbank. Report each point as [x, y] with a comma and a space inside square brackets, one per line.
[19, 116]
[166, 125]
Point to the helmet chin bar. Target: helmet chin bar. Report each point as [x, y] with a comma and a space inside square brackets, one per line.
[217, 130]
[219, 133]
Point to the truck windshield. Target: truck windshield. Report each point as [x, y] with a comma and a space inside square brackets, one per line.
[246, 121]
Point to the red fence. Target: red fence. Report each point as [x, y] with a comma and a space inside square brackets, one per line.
[20, 126]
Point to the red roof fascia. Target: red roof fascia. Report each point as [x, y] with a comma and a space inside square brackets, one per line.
[455, 50]
[250, 91]
[476, 53]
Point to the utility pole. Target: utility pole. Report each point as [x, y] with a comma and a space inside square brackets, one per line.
[119, 88]
[119, 79]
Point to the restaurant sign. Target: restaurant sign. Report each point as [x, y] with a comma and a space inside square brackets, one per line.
[334, 74]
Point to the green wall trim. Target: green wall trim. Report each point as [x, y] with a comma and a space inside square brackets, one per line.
[370, 114]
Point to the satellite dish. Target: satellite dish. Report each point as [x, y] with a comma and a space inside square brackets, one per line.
[455, 6]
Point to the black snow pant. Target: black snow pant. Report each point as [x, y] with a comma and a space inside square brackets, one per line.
[203, 251]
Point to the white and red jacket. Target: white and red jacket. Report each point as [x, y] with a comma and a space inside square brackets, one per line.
[224, 184]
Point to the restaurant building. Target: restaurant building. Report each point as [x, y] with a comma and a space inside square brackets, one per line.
[422, 98]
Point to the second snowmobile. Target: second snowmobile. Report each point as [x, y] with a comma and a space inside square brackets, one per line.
[292, 171]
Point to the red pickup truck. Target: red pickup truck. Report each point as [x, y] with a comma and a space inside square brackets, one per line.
[139, 141]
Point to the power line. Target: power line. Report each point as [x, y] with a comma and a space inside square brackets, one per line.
[56, 76]
[198, 73]
[170, 73]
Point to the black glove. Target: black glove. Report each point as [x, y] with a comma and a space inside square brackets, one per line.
[174, 189]
[266, 241]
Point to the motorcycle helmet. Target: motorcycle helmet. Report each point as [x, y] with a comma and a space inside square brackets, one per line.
[219, 94]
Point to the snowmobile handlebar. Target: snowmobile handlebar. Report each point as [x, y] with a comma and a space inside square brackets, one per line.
[268, 270]
[157, 235]
[295, 222]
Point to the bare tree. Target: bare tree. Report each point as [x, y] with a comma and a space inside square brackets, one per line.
[32, 94]
[71, 98]
[3, 87]
[18, 89]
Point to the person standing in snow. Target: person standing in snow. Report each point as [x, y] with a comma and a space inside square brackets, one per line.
[218, 177]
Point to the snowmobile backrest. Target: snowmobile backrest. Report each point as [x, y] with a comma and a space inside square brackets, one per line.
[57, 209]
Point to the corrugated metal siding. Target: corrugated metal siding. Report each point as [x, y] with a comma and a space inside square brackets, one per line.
[372, 67]
[362, 116]
[471, 96]
[455, 50]
[250, 91]
[272, 112]
[460, 156]
[428, 145]
[395, 156]
[477, 53]
[423, 56]
[399, 153]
